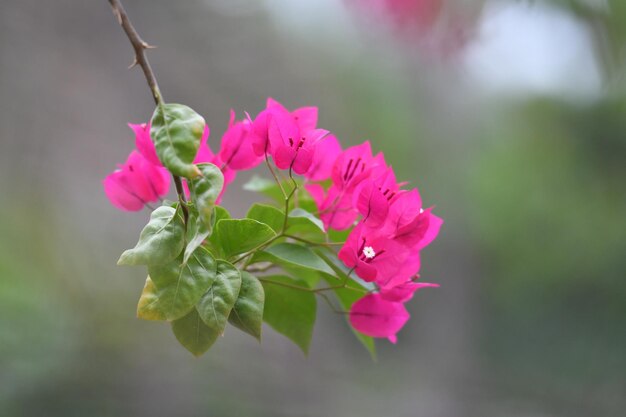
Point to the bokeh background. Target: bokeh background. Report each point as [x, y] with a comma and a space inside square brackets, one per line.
[510, 117]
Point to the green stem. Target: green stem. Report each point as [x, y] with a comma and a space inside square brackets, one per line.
[312, 243]
[287, 199]
[269, 166]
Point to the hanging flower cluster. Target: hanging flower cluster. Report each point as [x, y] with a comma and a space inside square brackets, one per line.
[325, 198]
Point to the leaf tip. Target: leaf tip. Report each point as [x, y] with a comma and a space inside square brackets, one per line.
[123, 260]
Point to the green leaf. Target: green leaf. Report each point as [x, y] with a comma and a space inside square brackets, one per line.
[221, 213]
[205, 190]
[179, 288]
[197, 232]
[266, 187]
[269, 215]
[299, 222]
[270, 189]
[299, 213]
[236, 236]
[160, 241]
[247, 314]
[293, 255]
[148, 305]
[290, 311]
[216, 304]
[339, 235]
[193, 334]
[304, 224]
[176, 131]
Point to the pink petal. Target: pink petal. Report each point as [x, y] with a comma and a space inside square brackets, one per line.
[404, 208]
[283, 156]
[344, 165]
[236, 150]
[317, 192]
[326, 154]
[341, 215]
[396, 264]
[434, 225]
[119, 195]
[259, 134]
[371, 203]
[283, 130]
[302, 161]
[144, 143]
[350, 254]
[272, 104]
[136, 183]
[374, 316]
[365, 271]
[306, 117]
[404, 292]
[421, 231]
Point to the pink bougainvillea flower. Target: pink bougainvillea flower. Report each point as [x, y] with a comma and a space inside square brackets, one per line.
[136, 183]
[236, 150]
[324, 158]
[291, 147]
[409, 223]
[371, 197]
[144, 143]
[336, 210]
[351, 167]
[421, 231]
[376, 258]
[259, 132]
[204, 154]
[354, 165]
[374, 316]
[304, 117]
[400, 272]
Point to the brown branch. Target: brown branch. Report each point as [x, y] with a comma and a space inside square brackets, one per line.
[140, 46]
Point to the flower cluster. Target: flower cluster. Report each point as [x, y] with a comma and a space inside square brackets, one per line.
[352, 188]
[384, 246]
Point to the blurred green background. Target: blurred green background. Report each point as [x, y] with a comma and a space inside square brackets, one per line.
[510, 117]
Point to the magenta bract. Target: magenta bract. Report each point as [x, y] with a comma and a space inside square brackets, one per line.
[136, 183]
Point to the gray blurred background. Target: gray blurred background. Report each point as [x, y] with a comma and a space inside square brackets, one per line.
[510, 117]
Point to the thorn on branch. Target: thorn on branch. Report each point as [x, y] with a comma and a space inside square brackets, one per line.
[134, 63]
[146, 45]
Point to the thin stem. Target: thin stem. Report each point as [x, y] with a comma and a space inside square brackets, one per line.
[343, 285]
[140, 46]
[288, 198]
[282, 284]
[269, 166]
[310, 242]
[261, 269]
[332, 307]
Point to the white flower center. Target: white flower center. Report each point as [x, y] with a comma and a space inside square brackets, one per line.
[368, 252]
[421, 210]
